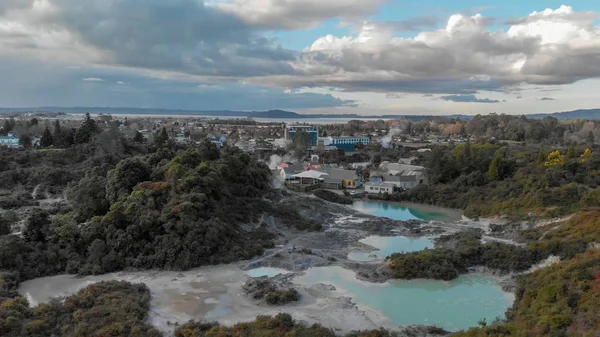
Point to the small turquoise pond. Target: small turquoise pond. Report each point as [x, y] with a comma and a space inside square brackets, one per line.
[453, 305]
[406, 211]
[387, 245]
[266, 271]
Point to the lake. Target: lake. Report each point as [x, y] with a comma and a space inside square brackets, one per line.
[406, 211]
[453, 305]
[387, 245]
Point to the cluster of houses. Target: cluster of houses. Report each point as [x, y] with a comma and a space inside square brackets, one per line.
[395, 176]
[387, 178]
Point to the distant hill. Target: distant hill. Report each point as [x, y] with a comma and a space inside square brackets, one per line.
[575, 114]
[272, 114]
[276, 114]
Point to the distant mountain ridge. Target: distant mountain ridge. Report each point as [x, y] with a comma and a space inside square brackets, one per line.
[274, 114]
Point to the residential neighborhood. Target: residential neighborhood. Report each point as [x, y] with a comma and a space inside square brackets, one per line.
[312, 150]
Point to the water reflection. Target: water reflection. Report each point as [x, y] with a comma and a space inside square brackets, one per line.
[397, 211]
[389, 245]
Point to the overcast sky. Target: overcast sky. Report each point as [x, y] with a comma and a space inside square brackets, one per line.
[311, 56]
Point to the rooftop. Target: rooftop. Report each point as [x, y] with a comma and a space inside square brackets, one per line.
[381, 184]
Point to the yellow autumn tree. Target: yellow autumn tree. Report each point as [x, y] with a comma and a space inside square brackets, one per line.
[554, 159]
[586, 155]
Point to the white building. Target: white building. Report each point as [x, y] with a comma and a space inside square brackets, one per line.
[376, 188]
[345, 140]
[11, 140]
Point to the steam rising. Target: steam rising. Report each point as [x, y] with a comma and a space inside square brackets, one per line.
[387, 139]
[276, 160]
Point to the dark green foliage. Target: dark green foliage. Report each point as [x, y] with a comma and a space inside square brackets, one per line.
[191, 217]
[280, 297]
[301, 142]
[124, 177]
[36, 226]
[448, 264]
[333, 197]
[86, 131]
[88, 196]
[138, 137]
[490, 179]
[161, 137]
[268, 290]
[266, 326]
[9, 124]
[105, 309]
[46, 139]
[25, 141]
[278, 326]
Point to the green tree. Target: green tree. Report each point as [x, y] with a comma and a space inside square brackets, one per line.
[25, 141]
[36, 226]
[571, 152]
[139, 138]
[57, 136]
[86, 131]
[33, 122]
[376, 159]
[82, 136]
[124, 177]
[494, 170]
[161, 137]
[46, 139]
[7, 126]
[88, 196]
[301, 142]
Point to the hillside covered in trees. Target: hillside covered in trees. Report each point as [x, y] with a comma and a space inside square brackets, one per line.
[489, 179]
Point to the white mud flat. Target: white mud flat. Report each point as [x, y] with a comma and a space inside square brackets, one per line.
[213, 294]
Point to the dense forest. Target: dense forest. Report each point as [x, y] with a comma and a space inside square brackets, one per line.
[129, 205]
[154, 211]
[488, 179]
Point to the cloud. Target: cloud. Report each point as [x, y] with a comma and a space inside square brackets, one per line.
[468, 99]
[297, 14]
[556, 47]
[394, 95]
[226, 43]
[210, 86]
[182, 36]
[547, 99]
[93, 79]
